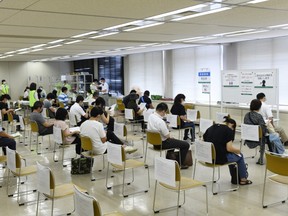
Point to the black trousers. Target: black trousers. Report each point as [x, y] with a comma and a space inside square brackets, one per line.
[111, 137]
[174, 143]
[4, 141]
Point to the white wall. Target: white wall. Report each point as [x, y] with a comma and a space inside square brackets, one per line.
[17, 74]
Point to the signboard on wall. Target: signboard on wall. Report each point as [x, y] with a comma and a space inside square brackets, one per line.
[204, 77]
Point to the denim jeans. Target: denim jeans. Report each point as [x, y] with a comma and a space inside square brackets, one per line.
[231, 157]
[192, 131]
[278, 146]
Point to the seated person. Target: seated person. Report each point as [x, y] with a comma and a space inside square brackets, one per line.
[44, 126]
[69, 137]
[126, 99]
[179, 109]
[63, 97]
[156, 123]
[137, 111]
[222, 136]
[78, 111]
[145, 99]
[4, 109]
[48, 105]
[94, 98]
[255, 118]
[6, 140]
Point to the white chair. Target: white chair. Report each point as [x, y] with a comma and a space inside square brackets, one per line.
[117, 158]
[205, 154]
[220, 117]
[204, 124]
[252, 133]
[168, 175]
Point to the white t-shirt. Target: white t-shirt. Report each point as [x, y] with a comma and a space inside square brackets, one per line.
[266, 111]
[156, 123]
[105, 86]
[78, 111]
[95, 131]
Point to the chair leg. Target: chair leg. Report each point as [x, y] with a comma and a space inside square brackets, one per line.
[37, 207]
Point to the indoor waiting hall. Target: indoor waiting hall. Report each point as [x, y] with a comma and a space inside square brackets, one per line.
[143, 107]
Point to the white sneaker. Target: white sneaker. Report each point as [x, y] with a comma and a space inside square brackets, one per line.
[130, 149]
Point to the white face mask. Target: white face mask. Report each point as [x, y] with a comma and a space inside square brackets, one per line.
[4, 83]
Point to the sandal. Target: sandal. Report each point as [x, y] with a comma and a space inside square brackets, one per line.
[246, 182]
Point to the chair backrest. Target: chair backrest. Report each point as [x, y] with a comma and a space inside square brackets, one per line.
[57, 135]
[220, 117]
[34, 126]
[189, 106]
[154, 137]
[251, 132]
[11, 159]
[72, 119]
[174, 120]
[86, 205]
[204, 124]
[147, 113]
[205, 151]
[120, 105]
[119, 129]
[277, 163]
[167, 171]
[61, 105]
[86, 143]
[10, 117]
[129, 114]
[193, 114]
[45, 179]
[115, 153]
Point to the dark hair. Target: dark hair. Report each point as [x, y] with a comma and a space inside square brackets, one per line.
[95, 80]
[3, 81]
[260, 96]
[255, 105]
[37, 104]
[33, 86]
[162, 107]
[50, 96]
[132, 91]
[100, 102]
[229, 120]
[89, 91]
[147, 93]
[5, 96]
[61, 114]
[102, 78]
[64, 89]
[54, 92]
[79, 98]
[177, 99]
[95, 111]
[39, 90]
[26, 88]
[96, 94]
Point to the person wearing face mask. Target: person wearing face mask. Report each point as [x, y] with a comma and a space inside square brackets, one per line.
[156, 123]
[78, 111]
[104, 90]
[26, 94]
[44, 126]
[222, 136]
[179, 109]
[4, 87]
[48, 105]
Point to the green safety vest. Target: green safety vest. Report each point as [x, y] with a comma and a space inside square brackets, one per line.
[4, 89]
[32, 98]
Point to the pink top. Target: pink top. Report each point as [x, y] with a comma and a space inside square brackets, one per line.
[64, 126]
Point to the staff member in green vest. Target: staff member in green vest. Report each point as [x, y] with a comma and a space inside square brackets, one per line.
[33, 96]
[4, 87]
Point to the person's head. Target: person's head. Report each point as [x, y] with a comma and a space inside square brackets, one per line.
[132, 91]
[3, 81]
[26, 89]
[5, 97]
[64, 89]
[102, 80]
[96, 112]
[100, 102]
[54, 92]
[39, 90]
[261, 96]
[50, 96]
[89, 92]
[231, 123]
[61, 114]
[180, 98]
[147, 93]
[33, 86]
[65, 82]
[95, 80]
[133, 97]
[255, 105]
[161, 109]
[96, 94]
[38, 106]
[80, 99]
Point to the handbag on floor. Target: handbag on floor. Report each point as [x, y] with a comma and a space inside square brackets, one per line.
[81, 165]
[172, 155]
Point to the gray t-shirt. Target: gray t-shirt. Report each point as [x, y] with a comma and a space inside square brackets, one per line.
[47, 104]
[39, 119]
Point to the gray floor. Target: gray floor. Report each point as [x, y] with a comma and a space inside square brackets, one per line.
[245, 201]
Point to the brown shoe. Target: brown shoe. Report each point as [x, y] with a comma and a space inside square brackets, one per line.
[184, 167]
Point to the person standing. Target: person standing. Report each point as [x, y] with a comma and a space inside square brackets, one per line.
[4, 87]
[104, 90]
[266, 112]
[33, 95]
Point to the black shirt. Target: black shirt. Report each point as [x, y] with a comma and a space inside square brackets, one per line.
[219, 135]
[4, 106]
[126, 100]
[178, 109]
[145, 99]
[133, 105]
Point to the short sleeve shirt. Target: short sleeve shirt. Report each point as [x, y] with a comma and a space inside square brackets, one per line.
[219, 135]
[64, 126]
[39, 119]
[156, 123]
[266, 111]
[145, 99]
[47, 104]
[78, 111]
[178, 109]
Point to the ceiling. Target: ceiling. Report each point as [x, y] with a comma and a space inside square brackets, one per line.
[50, 30]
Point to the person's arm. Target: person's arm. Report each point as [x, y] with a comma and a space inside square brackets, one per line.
[47, 124]
[67, 132]
[105, 119]
[3, 134]
[231, 148]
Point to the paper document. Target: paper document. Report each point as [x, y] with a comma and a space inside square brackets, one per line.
[114, 153]
[17, 134]
[17, 109]
[250, 132]
[191, 114]
[204, 124]
[165, 171]
[11, 159]
[172, 119]
[119, 129]
[43, 179]
[83, 204]
[74, 129]
[203, 151]
[142, 105]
